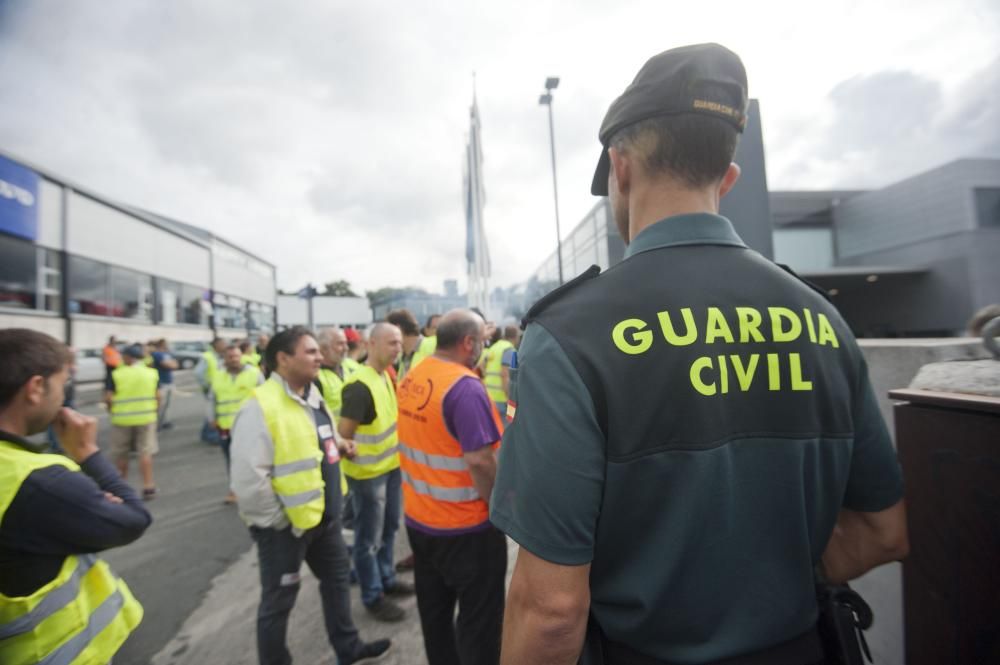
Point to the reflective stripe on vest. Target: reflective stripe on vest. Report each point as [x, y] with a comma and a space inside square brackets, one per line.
[83, 615]
[377, 452]
[134, 399]
[493, 372]
[438, 490]
[296, 477]
[231, 392]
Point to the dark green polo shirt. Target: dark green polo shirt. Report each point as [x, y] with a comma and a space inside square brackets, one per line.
[700, 477]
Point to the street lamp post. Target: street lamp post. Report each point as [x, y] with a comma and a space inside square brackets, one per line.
[551, 83]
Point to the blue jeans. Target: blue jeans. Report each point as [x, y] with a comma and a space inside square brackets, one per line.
[377, 503]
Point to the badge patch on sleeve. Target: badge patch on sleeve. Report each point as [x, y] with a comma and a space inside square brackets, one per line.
[291, 579]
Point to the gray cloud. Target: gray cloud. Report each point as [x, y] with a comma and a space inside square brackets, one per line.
[329, 137]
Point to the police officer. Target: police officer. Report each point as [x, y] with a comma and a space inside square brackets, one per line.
[691, 424]
[286, 476]
[59, 603]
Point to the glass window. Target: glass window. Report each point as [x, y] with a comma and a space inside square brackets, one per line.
[131, 294]
[50, 279]
[169, 309]
[193, 305]
[88, 287]
[804, 248]
[229, 311]
[988, 206]
[18, 276]
[260, 317]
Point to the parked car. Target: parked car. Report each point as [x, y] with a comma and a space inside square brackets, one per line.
[89, 365]
[188, 353]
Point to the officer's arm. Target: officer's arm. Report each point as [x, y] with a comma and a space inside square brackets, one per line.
[546, 616]
[862, 541]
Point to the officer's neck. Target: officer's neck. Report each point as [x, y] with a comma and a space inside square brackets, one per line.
[377, 366]
[653, 201]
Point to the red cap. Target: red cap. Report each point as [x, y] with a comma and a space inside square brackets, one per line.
[352, 335]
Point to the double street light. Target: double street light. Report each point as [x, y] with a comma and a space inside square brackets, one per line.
[551, 83]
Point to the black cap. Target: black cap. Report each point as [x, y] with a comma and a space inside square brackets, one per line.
[702, 78]
[135, 351]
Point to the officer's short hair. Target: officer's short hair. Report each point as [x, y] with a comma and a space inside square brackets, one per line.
[511, 332]
[284, 342]
[694, 149]
[26, 353]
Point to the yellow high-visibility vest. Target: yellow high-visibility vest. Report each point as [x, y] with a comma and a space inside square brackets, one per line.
[296, 478]
[231, 392]
[134, 400]
[82, 616]
[427, 347]
[251, 359]
[333, 387]
[377, 443]
[493, 371]
[211, 365]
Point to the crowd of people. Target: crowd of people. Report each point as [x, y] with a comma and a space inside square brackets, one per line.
[667, 510]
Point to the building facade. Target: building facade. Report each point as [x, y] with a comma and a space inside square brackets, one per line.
[327, 311]
[914, 259]
[81, 268]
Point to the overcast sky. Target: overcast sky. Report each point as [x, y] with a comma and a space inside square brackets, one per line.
[328, 137]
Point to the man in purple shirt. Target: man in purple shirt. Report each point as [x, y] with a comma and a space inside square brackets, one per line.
[448, 434]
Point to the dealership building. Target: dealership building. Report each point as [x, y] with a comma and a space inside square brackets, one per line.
[916, 258]
[81, 268]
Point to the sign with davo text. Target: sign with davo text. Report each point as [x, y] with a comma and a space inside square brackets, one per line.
[18, 200]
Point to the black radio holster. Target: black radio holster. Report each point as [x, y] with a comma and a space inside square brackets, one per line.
[843, 615]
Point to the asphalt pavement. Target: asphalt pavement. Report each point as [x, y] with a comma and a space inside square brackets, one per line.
[195, 569]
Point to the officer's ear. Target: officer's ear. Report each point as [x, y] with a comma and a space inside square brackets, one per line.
[620, 174]
[729, 180]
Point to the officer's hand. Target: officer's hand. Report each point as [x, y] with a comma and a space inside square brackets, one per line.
[77, 434]
[347, 448]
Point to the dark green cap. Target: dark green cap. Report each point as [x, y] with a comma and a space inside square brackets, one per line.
[702, 78]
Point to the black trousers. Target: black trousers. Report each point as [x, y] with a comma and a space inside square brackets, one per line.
[468, 569]
[281, 555]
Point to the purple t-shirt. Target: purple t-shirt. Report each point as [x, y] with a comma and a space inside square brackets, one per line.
[468, 415]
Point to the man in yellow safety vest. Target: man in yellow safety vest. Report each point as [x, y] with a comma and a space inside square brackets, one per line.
[133, 399]
[285, 471]
[368, 420]
[232, 385]
[496, 374]
[59, 603]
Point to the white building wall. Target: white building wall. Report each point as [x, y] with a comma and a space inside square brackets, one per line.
[50, 325]
[50, 215]
[93, 333]
[327, 311]
[238, 274]
[101, 233]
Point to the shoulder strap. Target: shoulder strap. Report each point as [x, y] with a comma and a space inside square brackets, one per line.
[557, 293]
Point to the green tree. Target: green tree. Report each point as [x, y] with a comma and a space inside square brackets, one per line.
[341, 288]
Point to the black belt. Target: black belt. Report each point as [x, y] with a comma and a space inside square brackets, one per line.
[805, 649]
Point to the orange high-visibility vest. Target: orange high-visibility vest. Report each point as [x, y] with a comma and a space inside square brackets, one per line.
[438, 491]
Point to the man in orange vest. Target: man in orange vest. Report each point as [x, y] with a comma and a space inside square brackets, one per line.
[449, 431]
